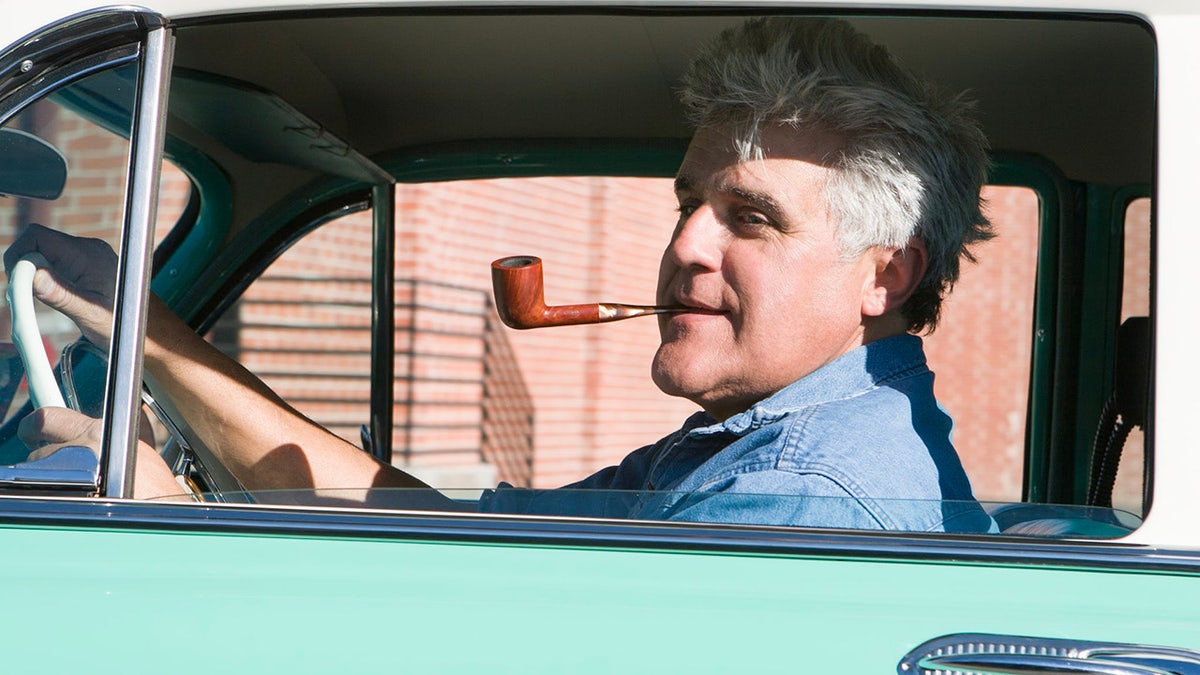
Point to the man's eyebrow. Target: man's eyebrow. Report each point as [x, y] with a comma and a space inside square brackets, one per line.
[759, 199]
[684, 183]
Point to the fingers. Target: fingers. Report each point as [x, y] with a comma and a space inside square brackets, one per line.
[82, 264]
[79, 279]
[26, 243]
[47, 429]
[35, 239]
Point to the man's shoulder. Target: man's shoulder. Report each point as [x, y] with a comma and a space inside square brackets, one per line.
[895, 363]
[882, 441]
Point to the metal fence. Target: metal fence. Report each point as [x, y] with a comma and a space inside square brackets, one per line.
[460, 399]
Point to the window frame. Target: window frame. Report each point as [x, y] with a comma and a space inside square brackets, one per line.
[54, 58]
[487, 163]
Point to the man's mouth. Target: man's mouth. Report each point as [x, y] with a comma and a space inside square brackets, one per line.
[692, 306]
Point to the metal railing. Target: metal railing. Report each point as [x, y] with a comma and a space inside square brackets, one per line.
[460, 399]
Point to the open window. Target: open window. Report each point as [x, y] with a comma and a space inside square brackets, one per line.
[282, 191]
[1019, 355]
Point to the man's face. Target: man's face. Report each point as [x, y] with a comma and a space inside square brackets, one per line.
[755, 254]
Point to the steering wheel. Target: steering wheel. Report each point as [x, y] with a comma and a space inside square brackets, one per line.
[43, 388]
[190, 461]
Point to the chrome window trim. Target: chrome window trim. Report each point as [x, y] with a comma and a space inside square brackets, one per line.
[48, 60]
[123, 403]
[697, 538]
[37, 56]
[61, 77]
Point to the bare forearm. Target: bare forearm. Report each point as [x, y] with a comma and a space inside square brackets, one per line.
[263, 440]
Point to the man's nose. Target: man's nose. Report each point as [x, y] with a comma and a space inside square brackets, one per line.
[698, 240]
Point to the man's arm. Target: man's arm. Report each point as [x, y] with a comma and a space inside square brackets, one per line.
[265, 442]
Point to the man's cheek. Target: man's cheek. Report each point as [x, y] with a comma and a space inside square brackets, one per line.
[666, 270]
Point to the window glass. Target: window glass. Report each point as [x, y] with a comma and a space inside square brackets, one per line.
[88, 124]
[475, 402]
[174, 189]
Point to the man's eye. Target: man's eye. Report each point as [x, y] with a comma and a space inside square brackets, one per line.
[686, 211]
[752, 220]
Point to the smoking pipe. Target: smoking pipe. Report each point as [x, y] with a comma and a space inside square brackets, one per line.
[521, 301]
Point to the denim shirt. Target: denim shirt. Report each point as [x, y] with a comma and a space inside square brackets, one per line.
[859, 443]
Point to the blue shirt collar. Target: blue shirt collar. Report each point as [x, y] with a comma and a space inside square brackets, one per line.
[849, 375]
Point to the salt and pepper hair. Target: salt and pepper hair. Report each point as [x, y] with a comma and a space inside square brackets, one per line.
[911, 163]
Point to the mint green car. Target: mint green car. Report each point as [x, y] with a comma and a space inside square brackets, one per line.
[318, 187]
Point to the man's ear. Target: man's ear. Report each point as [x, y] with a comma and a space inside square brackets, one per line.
[898, 271]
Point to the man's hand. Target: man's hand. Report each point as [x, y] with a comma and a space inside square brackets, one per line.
[80, 280]
[48, 430]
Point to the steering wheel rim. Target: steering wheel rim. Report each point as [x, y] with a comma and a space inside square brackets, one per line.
[44, 389]
[27, 337]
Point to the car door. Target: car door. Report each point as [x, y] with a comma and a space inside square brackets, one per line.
[108, 584]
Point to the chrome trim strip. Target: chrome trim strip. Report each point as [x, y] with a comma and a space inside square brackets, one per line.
[16, 101]
[222, 519]
[123, 404]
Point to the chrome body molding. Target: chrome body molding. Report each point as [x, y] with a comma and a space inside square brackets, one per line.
[221, 519]
[984, 654]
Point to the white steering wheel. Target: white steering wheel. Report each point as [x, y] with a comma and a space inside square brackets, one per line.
[43, 388]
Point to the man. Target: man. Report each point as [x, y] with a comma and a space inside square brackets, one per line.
[824, 204]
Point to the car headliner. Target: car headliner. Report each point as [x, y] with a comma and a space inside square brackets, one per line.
[1077, 90]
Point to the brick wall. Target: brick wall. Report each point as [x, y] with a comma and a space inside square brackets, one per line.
[980, 352]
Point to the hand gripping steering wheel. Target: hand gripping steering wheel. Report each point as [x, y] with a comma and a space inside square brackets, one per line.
[43, 388]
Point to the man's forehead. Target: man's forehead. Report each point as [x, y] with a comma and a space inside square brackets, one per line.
[727, 145]
[726, 173]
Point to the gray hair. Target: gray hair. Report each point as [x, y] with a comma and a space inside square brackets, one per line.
[912, 160]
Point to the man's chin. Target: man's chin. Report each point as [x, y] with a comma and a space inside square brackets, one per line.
[676, 378]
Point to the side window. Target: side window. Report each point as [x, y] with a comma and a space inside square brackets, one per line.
[477, 403]
[87, 125]
[549, 406]
[174, 190]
